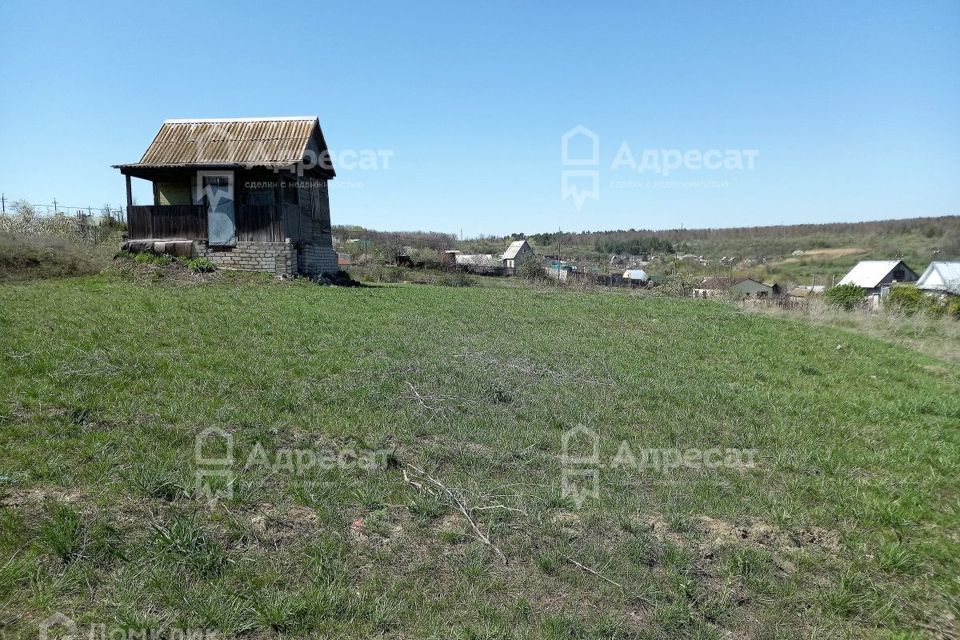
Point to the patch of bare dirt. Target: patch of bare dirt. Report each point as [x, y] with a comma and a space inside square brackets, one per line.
[761, 534]
[378, 529]
[453, 523]
[276, 527]
[31, 497]
[718, 533]
[660, 529]
[569, 523]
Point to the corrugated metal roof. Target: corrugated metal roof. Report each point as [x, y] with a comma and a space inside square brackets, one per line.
[941, 276]
[636, 274]
[231, 141]
[869, 273]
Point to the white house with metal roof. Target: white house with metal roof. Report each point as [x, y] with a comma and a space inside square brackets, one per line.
[636, 275]
[941, 277]
[517, 252]
[876, 276]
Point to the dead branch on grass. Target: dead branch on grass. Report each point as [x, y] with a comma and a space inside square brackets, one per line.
[596, 573]
[533, 369]
[458, 502]
[423, 400]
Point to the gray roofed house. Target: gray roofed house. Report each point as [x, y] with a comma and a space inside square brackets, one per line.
[517, 252]
[750, 288]
[246, 193]
[876, 276]
[941, 277]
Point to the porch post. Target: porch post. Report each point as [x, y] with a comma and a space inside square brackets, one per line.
[129, 194]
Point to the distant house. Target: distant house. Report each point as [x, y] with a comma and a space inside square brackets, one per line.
[476, 260]
[689, 258]
[805, 291]
[449, 257]
[517, 252]
[246, 193]
[942, 278]
[343, 259]
[744, 288]
[876, 276]
[715, 283]
[712, 286]
[636, 275]
[749, 288]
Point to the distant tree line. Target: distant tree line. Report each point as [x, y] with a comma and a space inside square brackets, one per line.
[414, 239]
[635, 245]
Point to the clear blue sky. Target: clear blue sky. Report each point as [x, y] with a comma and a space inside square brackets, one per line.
[854, 107]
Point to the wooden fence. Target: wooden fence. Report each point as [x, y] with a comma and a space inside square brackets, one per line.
[186, 221]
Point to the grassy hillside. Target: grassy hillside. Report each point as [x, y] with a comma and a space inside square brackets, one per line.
[447, 407]
[766, 252]
[32, 256]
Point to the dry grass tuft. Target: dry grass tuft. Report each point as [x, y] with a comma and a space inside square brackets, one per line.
[933, 335]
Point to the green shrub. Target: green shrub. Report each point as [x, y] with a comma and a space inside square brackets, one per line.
[953, 308]
[846, 296]
[906, 298]
[531, 269]
[201, 265]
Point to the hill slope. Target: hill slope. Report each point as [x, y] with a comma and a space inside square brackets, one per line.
[844, 522]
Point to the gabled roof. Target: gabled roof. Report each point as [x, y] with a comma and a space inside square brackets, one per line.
[636, 274]
[743, 283]
[513, 249]
[868, 274]
[941, 276]
[715, 282]
[234, 142]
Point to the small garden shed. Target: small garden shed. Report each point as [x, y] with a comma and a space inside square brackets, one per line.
[247, 193]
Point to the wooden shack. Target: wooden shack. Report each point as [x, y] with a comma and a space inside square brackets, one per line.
[247, 193]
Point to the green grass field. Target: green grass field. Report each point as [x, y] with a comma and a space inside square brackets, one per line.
[454, 401]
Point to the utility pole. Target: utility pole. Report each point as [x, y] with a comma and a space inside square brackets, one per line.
[55, 206]
[3, 202]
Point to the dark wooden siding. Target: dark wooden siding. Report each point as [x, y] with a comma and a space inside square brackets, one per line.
[260, 223]
[187, 221]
